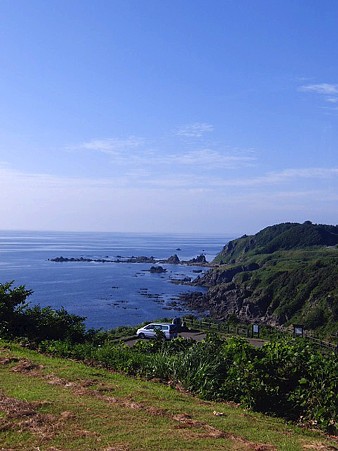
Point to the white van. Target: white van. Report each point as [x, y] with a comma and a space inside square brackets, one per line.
[149, 331]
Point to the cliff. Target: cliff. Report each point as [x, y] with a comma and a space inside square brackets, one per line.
[285, 274]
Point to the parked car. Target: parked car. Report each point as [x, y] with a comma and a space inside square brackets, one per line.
[149, 331]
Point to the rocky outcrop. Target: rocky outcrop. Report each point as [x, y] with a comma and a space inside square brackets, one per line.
[200, 259]
[157, 269]
[173, 260]
[230, 299]
[141, 259]
[81, 259]
[222, 275]
[234, 299]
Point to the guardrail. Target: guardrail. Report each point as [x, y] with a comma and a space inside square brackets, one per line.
[322, 343]
[248, 331]
[218, 326]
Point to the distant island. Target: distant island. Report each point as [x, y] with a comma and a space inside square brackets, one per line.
[200, 260]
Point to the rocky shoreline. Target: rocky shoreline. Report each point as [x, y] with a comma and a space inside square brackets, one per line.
[200, 260]
[228, 297]
[156, 268]
[223, 297]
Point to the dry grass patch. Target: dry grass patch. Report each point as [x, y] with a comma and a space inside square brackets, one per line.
[25, 416]
[53, 404]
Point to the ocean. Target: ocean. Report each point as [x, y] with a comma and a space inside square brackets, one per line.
[107, 294]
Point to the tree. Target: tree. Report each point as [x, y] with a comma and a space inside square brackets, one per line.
[17, 319]
[50, 324]
[12, 304]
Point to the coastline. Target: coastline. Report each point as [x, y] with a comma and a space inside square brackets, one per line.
[108, 294]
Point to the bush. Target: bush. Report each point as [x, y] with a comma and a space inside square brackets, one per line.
[46, 323]
[200, 369]
[286, 377]
[17, 319]
[12, 304]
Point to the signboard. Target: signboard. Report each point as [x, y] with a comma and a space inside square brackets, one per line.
[298, 330]
[255, 330]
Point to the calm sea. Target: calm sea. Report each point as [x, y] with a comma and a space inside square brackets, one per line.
[107, 294]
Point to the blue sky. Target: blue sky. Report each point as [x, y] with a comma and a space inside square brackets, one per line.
[193, 116]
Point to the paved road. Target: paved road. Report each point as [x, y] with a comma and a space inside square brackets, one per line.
[199, 336]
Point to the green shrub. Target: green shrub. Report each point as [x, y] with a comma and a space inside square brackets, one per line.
[286, 377]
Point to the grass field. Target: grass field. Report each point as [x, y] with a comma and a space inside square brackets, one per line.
[54, 404]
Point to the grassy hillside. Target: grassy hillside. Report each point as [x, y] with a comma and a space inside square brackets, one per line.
[55, 404]
[286, 236]
[284, 274]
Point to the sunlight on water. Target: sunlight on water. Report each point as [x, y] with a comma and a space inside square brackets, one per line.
[107, 294]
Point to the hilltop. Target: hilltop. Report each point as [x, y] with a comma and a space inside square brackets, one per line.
[285, 236]
[286, 273]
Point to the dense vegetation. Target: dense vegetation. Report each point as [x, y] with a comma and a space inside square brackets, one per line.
[285, 274]
[51, 403]
[18, 319]
[285, 236]
[286, 377]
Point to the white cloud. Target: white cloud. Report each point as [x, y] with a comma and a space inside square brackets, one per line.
[269, 179]
[131, 154]
[160, 202]
[41, 182]
[273, 178]
[208, 158]
[112, 146]
[328, 91]
[195, 130]
[20, 181]
[313, 173]
[321, 88]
